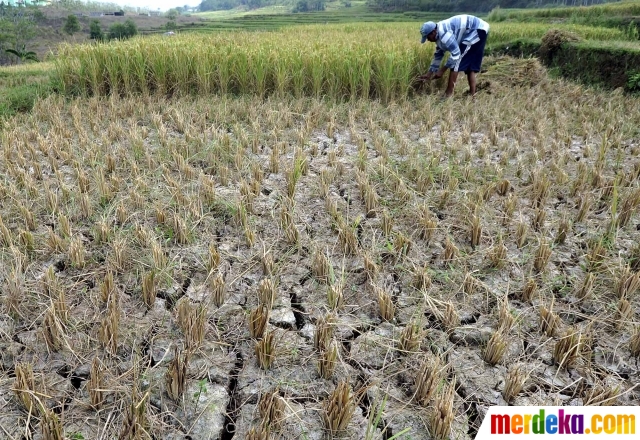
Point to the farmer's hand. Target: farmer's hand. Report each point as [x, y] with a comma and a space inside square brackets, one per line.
[426, 77]
[438, 74]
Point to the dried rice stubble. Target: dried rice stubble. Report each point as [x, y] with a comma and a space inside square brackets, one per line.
[339, 408]
[442, 415]
[514, 382]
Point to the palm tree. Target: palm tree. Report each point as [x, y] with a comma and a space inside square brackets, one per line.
[23, 54]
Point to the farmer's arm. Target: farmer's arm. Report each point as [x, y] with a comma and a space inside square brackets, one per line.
[437, 60]
[451, 45]
[435, 64]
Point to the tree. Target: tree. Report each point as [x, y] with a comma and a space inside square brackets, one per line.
[71, 25]
[23, 54]
[217, 5]
[95, 31]
[172, 14]
[131, 29]
[17, 29]
[309, 6]
[122, 31]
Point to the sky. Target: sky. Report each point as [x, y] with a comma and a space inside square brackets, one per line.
[155, 4]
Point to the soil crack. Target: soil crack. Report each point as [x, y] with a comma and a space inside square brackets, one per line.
[233, 408]
[298, 310]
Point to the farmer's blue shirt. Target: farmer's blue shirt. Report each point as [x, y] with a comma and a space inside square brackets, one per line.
[451, 33]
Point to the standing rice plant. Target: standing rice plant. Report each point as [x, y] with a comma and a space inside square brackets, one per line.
[126, 69]
[114, 71]
[335, 73]
[298, 73]
[183, 68]
[223, 72]
[384, 67]
[260, 64]
[365, 74]
[317, 74]
[139, 67]
[354, 76]
[241, 72]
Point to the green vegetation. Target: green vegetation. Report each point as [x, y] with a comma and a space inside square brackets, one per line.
[21, 86]
[71, 25]
[88, 6]
[23, 54]
[633, 83]
[352, 63]
[583, 14]
[95, 31]
[609, 64]
[622, 15]
[218, 5]
[275, 18]
[122, 31]
[457, 5]
[309, 6]
[18, 28]
[595, 60]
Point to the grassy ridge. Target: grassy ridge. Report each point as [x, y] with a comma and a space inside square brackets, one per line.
[596, 12]
[274, 21]
[337, 61]
[625, 16]
[277, 17]
[20, 87]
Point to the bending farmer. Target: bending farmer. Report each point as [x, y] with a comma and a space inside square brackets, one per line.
[464, 37]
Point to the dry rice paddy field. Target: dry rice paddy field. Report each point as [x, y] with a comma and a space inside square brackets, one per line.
[223, 267]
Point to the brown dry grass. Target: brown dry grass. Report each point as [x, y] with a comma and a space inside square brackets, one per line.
[467, 223]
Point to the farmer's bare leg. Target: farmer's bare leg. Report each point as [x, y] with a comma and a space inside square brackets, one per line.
[471, 77]
[453, 76]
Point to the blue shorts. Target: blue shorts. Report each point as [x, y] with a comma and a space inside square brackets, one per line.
[472, 60]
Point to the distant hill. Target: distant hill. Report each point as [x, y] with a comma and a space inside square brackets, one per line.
[472, 5]
[40, 29]
[399, 5]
